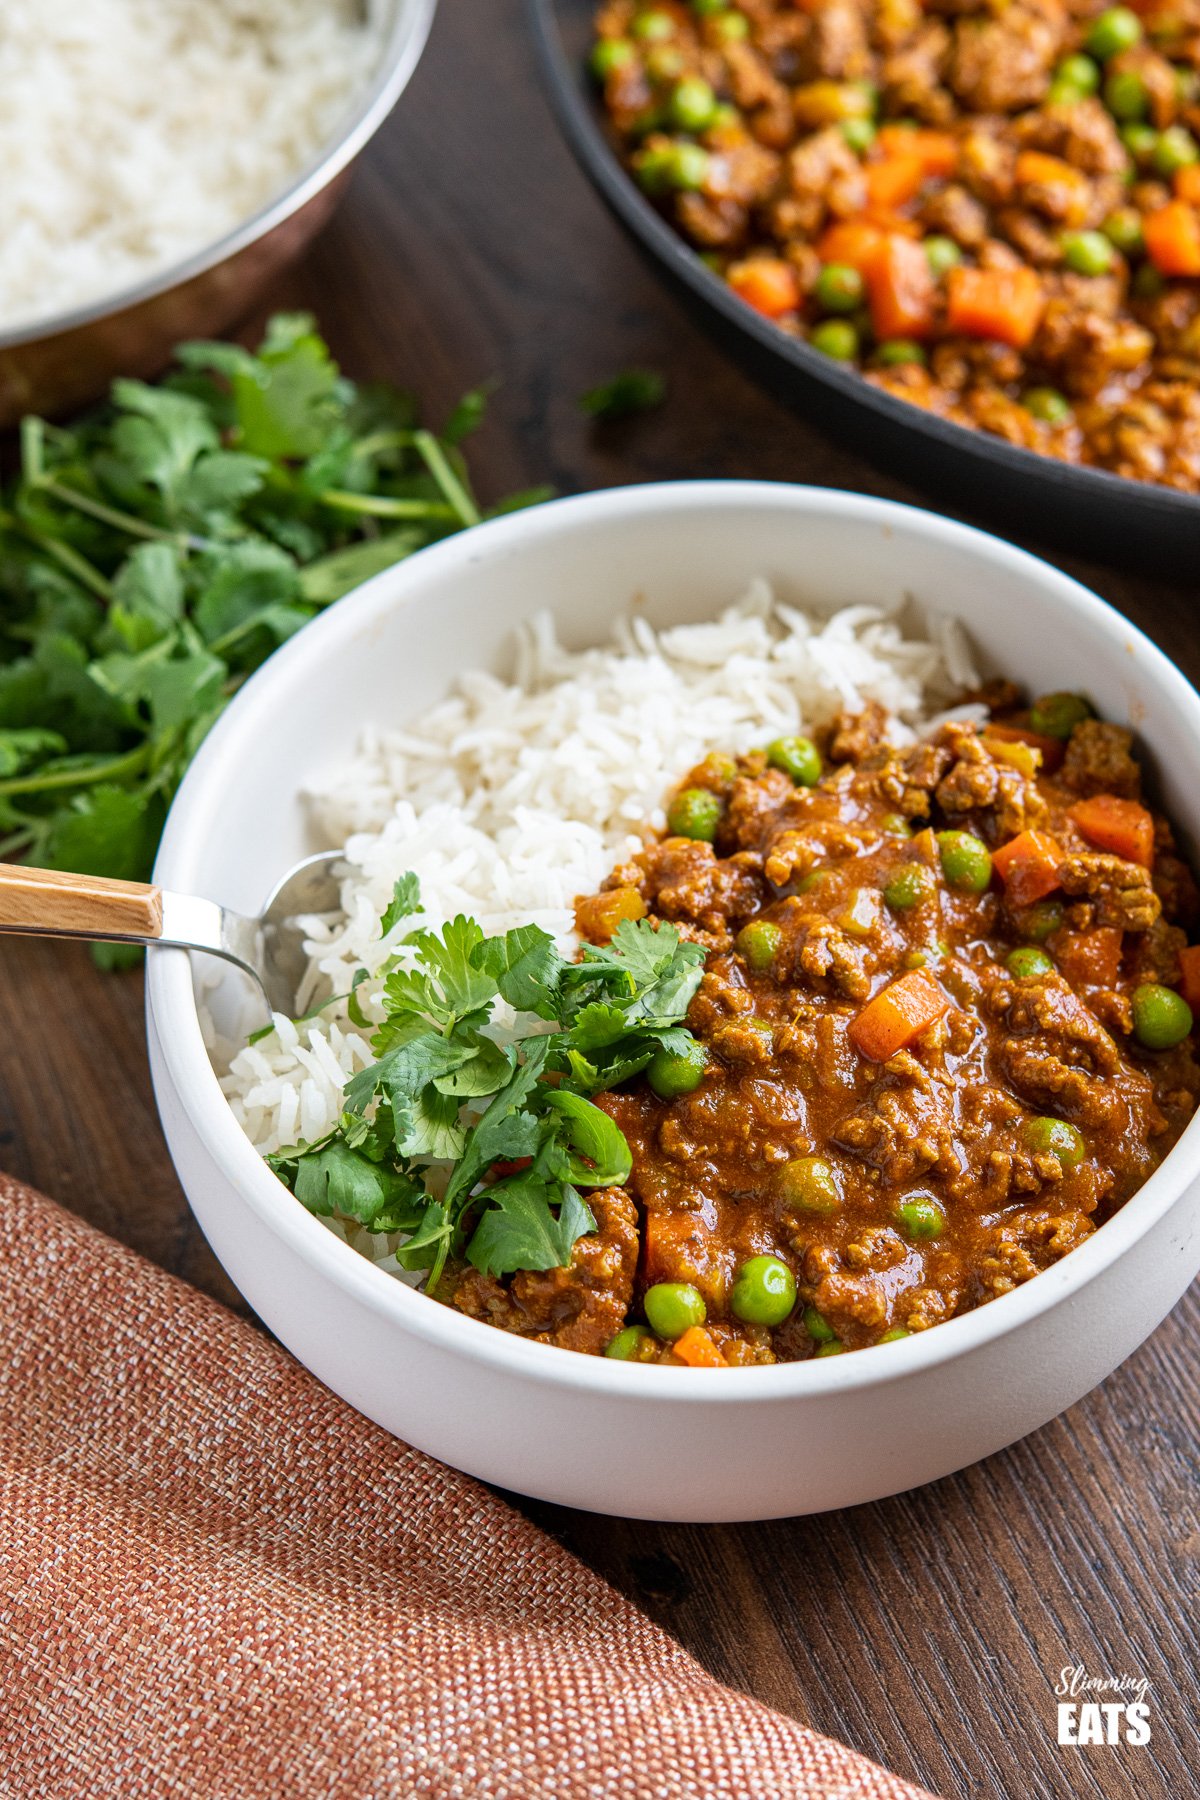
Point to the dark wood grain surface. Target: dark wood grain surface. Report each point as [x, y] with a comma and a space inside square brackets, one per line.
[928, 1630]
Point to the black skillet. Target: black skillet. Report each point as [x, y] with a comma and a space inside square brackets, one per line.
[1088, 511]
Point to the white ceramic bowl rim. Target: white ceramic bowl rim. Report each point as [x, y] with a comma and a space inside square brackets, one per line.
[400, 53]
[172, 1008]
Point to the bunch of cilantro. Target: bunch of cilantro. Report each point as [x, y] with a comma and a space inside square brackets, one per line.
[474, 1140]
[154, 554]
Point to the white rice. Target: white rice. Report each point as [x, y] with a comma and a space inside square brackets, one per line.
[511, 798]
[134, 132]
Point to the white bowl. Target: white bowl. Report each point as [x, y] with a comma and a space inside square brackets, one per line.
[610, 1436]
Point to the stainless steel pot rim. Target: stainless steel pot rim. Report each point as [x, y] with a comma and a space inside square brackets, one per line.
[398, 58]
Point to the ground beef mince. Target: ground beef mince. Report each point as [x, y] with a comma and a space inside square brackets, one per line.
[943, 1033]
[994, 212]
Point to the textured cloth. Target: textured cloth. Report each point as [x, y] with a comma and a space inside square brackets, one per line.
[218, 1582]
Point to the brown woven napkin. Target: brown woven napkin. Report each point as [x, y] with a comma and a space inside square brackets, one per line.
[218, 1582]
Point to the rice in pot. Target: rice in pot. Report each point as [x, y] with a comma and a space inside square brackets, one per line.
[136, 132]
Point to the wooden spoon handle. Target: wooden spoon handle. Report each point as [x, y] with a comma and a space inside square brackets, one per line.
[63, 905]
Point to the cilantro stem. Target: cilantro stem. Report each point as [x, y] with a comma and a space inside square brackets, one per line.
[115, 769]
[436, 461]
[75, 564]
[15, 842]
[121, 521]
[385, 506]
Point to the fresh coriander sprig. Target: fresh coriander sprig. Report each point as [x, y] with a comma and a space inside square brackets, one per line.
[476, 1145]
[155, 553]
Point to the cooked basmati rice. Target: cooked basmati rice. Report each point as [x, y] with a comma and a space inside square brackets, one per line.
[134, 132]
[509, 799]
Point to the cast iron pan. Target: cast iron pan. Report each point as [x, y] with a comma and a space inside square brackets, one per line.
[1087, 511]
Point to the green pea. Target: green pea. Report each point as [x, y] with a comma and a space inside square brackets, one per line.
[705, 9]
[896, 825]
[634, 1344]
[921, 1217]
[689, 167]
[1064, 93]
[859, 134]
[810, 1184]
[1055, 1137]
[1048, 405]
[814, 879]
[1087, 252]
[833, 1349]
[835, 338]
[942, 255]
[1161, 1017]
[839, 288]
[1125, 95]
[695, 813]
[724, 114]
[914, 959]
[1148, 284]
[1140, 141]
[757, 943]
[672, 1307]
[664, 64]
[893, 353]
[1115, 30]
[1057, 715]
[609, 55]
[966, 863]
[732, 26]
[894, 1334]
[1079, 72]
[1176, 149]
[1123, 228]
[653, 27]
[817, 1327]
[797, 757]
[911, 885]
[674, 1072]
[1026, 963]
[654, 168]
[1041, 920]
[764, 1291]
[692, 104]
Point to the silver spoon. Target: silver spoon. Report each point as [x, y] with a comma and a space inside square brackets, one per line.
[49, 903]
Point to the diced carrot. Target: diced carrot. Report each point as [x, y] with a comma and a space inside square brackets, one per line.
[1001, 304]
[1028, 866]
[697, 1350]
[766, 283]
[1187, 183]
[897, 1015]
[1189, 976]
[895, 179]
[855, 242]
[1172, 234]
[1089, 958]
[892, 224]
[936, 150]
[901, 291]
[1052, 749]
[1119, 827]
[1034, 168]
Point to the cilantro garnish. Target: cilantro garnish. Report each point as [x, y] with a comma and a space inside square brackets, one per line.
[477, 1144]
[632, 391]
[155, 553]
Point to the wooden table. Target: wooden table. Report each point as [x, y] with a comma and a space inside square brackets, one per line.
[927, 1630]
